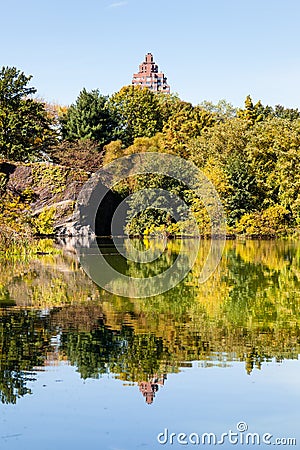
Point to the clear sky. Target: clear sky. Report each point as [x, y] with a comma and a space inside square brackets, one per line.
[208, 49]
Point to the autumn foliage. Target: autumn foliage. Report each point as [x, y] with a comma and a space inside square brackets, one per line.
[251, 154]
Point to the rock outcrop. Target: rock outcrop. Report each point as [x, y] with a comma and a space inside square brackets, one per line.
[44, 186]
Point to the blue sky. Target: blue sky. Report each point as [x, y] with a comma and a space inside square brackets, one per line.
[209, 49]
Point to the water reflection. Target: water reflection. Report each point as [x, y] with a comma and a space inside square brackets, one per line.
[24, 342]
[247, 311]
[150, 387]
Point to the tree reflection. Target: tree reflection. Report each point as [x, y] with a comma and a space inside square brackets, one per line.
[24, 341]
[249, 311]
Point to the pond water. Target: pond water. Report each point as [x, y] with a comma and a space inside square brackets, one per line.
[217, 361]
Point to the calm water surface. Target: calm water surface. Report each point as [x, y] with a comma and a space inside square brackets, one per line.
[82, 368]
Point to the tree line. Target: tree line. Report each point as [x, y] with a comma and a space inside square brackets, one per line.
[251, 154]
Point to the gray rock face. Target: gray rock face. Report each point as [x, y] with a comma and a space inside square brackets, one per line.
[60, 188]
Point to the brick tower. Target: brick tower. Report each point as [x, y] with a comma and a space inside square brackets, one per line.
[148, 76]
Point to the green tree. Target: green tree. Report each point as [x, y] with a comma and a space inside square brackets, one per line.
[245, 195]
[138, 113]
[258, 112]
[168, 104]
[89, 118]
[288, 176]
[185, 123]
[226, 144]
[223, 110]
[219, 142]
[252, 113]
[273, 151]
[26, 128]
[286, 113]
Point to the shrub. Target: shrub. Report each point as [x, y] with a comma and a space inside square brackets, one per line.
[269, 222]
